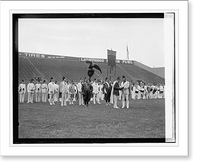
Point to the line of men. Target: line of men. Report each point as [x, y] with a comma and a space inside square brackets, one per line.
[85, 91]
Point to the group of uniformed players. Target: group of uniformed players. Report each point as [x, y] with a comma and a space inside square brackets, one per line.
[86, 91]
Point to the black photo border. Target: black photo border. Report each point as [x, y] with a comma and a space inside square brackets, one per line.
[16, 139]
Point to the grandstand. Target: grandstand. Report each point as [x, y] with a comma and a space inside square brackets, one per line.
[39, 65]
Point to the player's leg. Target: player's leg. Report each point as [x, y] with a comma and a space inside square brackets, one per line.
[28, 97]
[32, 94]
[20, 97]
[36, 96]
[127, 101]
[94, 99]
[23, 94]
[123, 100]
[39, 95]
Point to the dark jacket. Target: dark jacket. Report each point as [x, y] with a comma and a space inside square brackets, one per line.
[107, 87]
[116, 89]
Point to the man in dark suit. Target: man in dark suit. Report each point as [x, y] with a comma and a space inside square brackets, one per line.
[87, 92]
[107, 91]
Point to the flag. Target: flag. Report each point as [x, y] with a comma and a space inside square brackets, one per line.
[111, 58]
[127, 52]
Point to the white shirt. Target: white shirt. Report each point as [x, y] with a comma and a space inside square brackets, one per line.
[63, 85]
[100, 87]
[22, 88]
[95, 87]
[51, 87]
[30, 87]
[79, 86]
[161, 88]
[37, 87]
[71, 89]
[56, 87]
[44, 87]
[126, 87]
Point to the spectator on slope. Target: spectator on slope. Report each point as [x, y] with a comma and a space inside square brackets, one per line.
[22, 91]
[44, 91]
[30, 90]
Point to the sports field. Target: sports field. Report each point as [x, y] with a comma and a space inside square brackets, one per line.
[144, 119]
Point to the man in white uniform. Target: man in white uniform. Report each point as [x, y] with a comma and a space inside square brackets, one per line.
[44, 91]
[161, 91]
[37, 91]
[80, 95]
[95, 92]
[72, 91]
[63, 90]
[125, 92]
[22, 91]
[51, 91]
[30, 90]
[56, 91]
[100, 88]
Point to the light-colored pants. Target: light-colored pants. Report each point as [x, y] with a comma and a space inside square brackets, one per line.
[21, 97]
[51, 100]
[125, 97]
[120, 95]
[30, 97]
[133, 94]
[55, 97]
[64, 99]
[114, 101]
[80, 98]
[37, 96]
[95, 98]
[44, 96]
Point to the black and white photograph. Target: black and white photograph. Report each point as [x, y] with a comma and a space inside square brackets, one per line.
[90, 77]
[94, 78]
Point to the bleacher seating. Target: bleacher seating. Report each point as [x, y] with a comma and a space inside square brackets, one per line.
[73, 69]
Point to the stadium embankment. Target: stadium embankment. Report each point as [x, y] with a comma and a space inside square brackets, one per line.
[31, 65]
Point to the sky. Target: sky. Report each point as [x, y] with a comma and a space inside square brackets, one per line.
[92, 37]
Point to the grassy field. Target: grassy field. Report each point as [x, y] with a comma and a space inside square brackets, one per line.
[144, 119]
